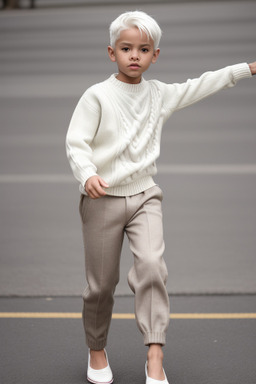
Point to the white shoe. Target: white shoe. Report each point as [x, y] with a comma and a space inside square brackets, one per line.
[153, 381]
[99, 376]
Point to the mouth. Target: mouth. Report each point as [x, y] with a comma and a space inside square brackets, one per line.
[134, 66]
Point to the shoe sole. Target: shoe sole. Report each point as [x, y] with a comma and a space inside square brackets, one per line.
[97, 382]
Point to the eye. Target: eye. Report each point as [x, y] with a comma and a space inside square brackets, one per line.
[145, 50]
[125, 49]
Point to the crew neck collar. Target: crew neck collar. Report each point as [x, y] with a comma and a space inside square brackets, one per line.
[127, 86]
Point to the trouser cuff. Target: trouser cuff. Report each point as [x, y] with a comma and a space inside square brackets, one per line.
[96, 345]
[155, 338]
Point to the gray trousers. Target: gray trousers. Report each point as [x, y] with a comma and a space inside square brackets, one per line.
[104, 222]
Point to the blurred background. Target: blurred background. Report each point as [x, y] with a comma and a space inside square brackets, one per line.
[49, 56]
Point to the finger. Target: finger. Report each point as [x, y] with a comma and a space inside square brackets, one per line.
[91, 188]
[92, 195]
[96, 192]
[99, 191]
[90, 192]
[103, 183]
[94, 188]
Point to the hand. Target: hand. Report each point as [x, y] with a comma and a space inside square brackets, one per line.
[93, 187]
[253, 68]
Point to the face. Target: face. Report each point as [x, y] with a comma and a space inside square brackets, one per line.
[133, 53]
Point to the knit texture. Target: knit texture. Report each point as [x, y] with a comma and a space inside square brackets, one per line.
[115, 130]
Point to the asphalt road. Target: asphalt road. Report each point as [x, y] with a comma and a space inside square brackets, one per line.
[207, 167]
[47, 350]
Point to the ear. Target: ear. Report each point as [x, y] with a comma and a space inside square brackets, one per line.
[155, 55]
[111, 53]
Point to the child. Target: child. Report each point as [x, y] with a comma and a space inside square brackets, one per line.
[112, 144]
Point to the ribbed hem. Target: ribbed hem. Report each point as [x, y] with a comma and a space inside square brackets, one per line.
[155, 338]
[131, 189]
[127, 86]
[241, 71]
[96, 345]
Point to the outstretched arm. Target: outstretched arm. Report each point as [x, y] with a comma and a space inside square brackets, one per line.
[253, 68]
[181, 95]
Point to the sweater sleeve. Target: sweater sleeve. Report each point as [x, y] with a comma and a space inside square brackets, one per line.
[81, 132]
[179, 96]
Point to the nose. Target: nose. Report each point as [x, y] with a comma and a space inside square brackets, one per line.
[135, 55]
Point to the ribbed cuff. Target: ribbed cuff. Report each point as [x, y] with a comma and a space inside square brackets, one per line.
[155, 338]
[241, 71]
[96, 345]
[87, 173]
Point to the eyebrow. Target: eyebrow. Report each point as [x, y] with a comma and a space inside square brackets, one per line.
[141, 45]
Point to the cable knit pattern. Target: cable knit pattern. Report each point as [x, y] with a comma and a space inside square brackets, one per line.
[115, 130]
[140, 127]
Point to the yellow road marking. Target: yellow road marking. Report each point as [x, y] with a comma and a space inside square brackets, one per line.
[213, 316]
[40, 315]
[125, 316]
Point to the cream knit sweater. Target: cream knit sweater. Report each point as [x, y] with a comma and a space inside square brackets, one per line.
[116, 127]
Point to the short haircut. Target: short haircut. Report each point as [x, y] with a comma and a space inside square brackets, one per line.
[139, 19]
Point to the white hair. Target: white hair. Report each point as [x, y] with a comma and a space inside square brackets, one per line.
[141, 20]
